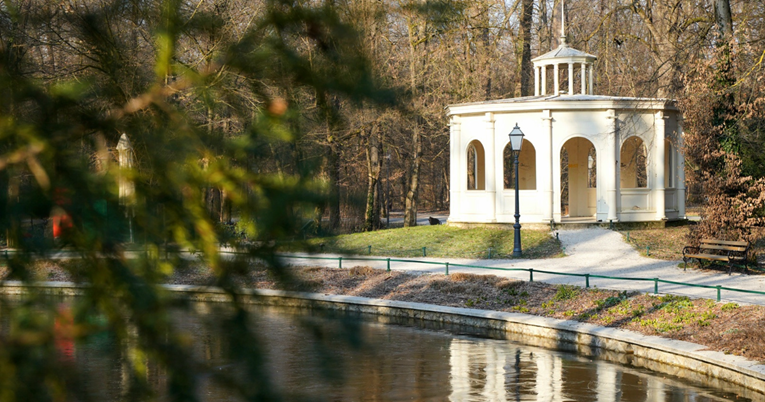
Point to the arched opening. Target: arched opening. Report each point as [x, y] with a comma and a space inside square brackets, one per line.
[578, 178]
[633, 157]
[669, 164]
[527, 167]
[476, 166]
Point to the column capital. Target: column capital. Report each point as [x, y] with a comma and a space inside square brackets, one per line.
[547, 115]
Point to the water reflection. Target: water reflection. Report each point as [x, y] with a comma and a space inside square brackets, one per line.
[495, 370]
[310, 356]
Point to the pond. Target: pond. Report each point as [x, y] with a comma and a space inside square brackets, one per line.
[311, 356]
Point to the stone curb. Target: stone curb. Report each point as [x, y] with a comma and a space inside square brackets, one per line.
[683, 359]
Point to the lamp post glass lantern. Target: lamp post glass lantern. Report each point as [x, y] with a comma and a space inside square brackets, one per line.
[516, 141]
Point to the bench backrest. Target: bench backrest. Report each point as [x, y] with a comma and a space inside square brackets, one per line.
[726, 245]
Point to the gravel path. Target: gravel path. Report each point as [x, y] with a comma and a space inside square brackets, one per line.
[598, 252]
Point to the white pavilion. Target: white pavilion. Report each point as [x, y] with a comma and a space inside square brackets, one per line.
[584, 158]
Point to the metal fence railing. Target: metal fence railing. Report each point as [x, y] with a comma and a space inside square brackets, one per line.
[587, 277]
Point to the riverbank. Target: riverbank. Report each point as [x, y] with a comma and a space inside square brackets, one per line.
[726, 327]
[666, 356]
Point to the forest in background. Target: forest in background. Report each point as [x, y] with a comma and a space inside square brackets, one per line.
[427, 53]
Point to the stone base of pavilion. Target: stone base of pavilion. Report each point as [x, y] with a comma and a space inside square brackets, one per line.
[573, 223]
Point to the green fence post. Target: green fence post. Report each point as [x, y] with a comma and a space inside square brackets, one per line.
[587, 281]
[656, 285]
[531, 274]
[388, 265]
[340, 262]
[628, 237]
[424, 254]
[369, 250]
[489, 252]
[647, 250]
[718, 292]
[447, 268]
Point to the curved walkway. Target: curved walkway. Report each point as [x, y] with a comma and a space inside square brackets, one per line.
[592, 251]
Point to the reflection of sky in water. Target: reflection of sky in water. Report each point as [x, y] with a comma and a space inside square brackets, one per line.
[310, 355]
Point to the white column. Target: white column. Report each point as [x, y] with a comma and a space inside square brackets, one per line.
[611, 166]
[494, 389]
[456, 175]
[459, 363]
[536, 81]
[570, 86]
[549, 378]
[544, 80]
[490, 174]
[584, 71]
[545, 166]
[557, 80]
[592, 67]
[608, 382]
[658, 165]
[656, 391]
[680, 168]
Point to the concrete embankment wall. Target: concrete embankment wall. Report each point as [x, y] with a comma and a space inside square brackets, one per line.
[678, 358]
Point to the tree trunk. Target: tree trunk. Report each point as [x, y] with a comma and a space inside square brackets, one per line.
[410, 211]
[225, 207]
[372, 215]
[214, 204]
[724, 19]
[413, 184]
[333, 166]
[527, 79]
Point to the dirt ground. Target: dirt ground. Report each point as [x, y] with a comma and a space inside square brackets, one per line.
[725, 327]
[729, 328]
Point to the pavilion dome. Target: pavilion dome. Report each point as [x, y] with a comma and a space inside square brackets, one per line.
[563, 54]
[569, 58]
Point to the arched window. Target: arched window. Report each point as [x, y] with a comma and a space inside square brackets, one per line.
[669, 164]
[634, 173]
[475, 166]
[527, 165]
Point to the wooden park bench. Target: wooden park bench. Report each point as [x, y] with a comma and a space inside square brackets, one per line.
[719, 250]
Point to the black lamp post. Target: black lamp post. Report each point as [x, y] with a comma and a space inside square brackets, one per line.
[516, 141]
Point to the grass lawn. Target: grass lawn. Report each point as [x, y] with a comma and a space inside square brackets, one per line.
[664, 244]
[439, 241]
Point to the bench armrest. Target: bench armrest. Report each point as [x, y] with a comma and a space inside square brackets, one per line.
[738, 255]
[690, 250]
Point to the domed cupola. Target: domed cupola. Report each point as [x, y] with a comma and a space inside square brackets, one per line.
[567, 57]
